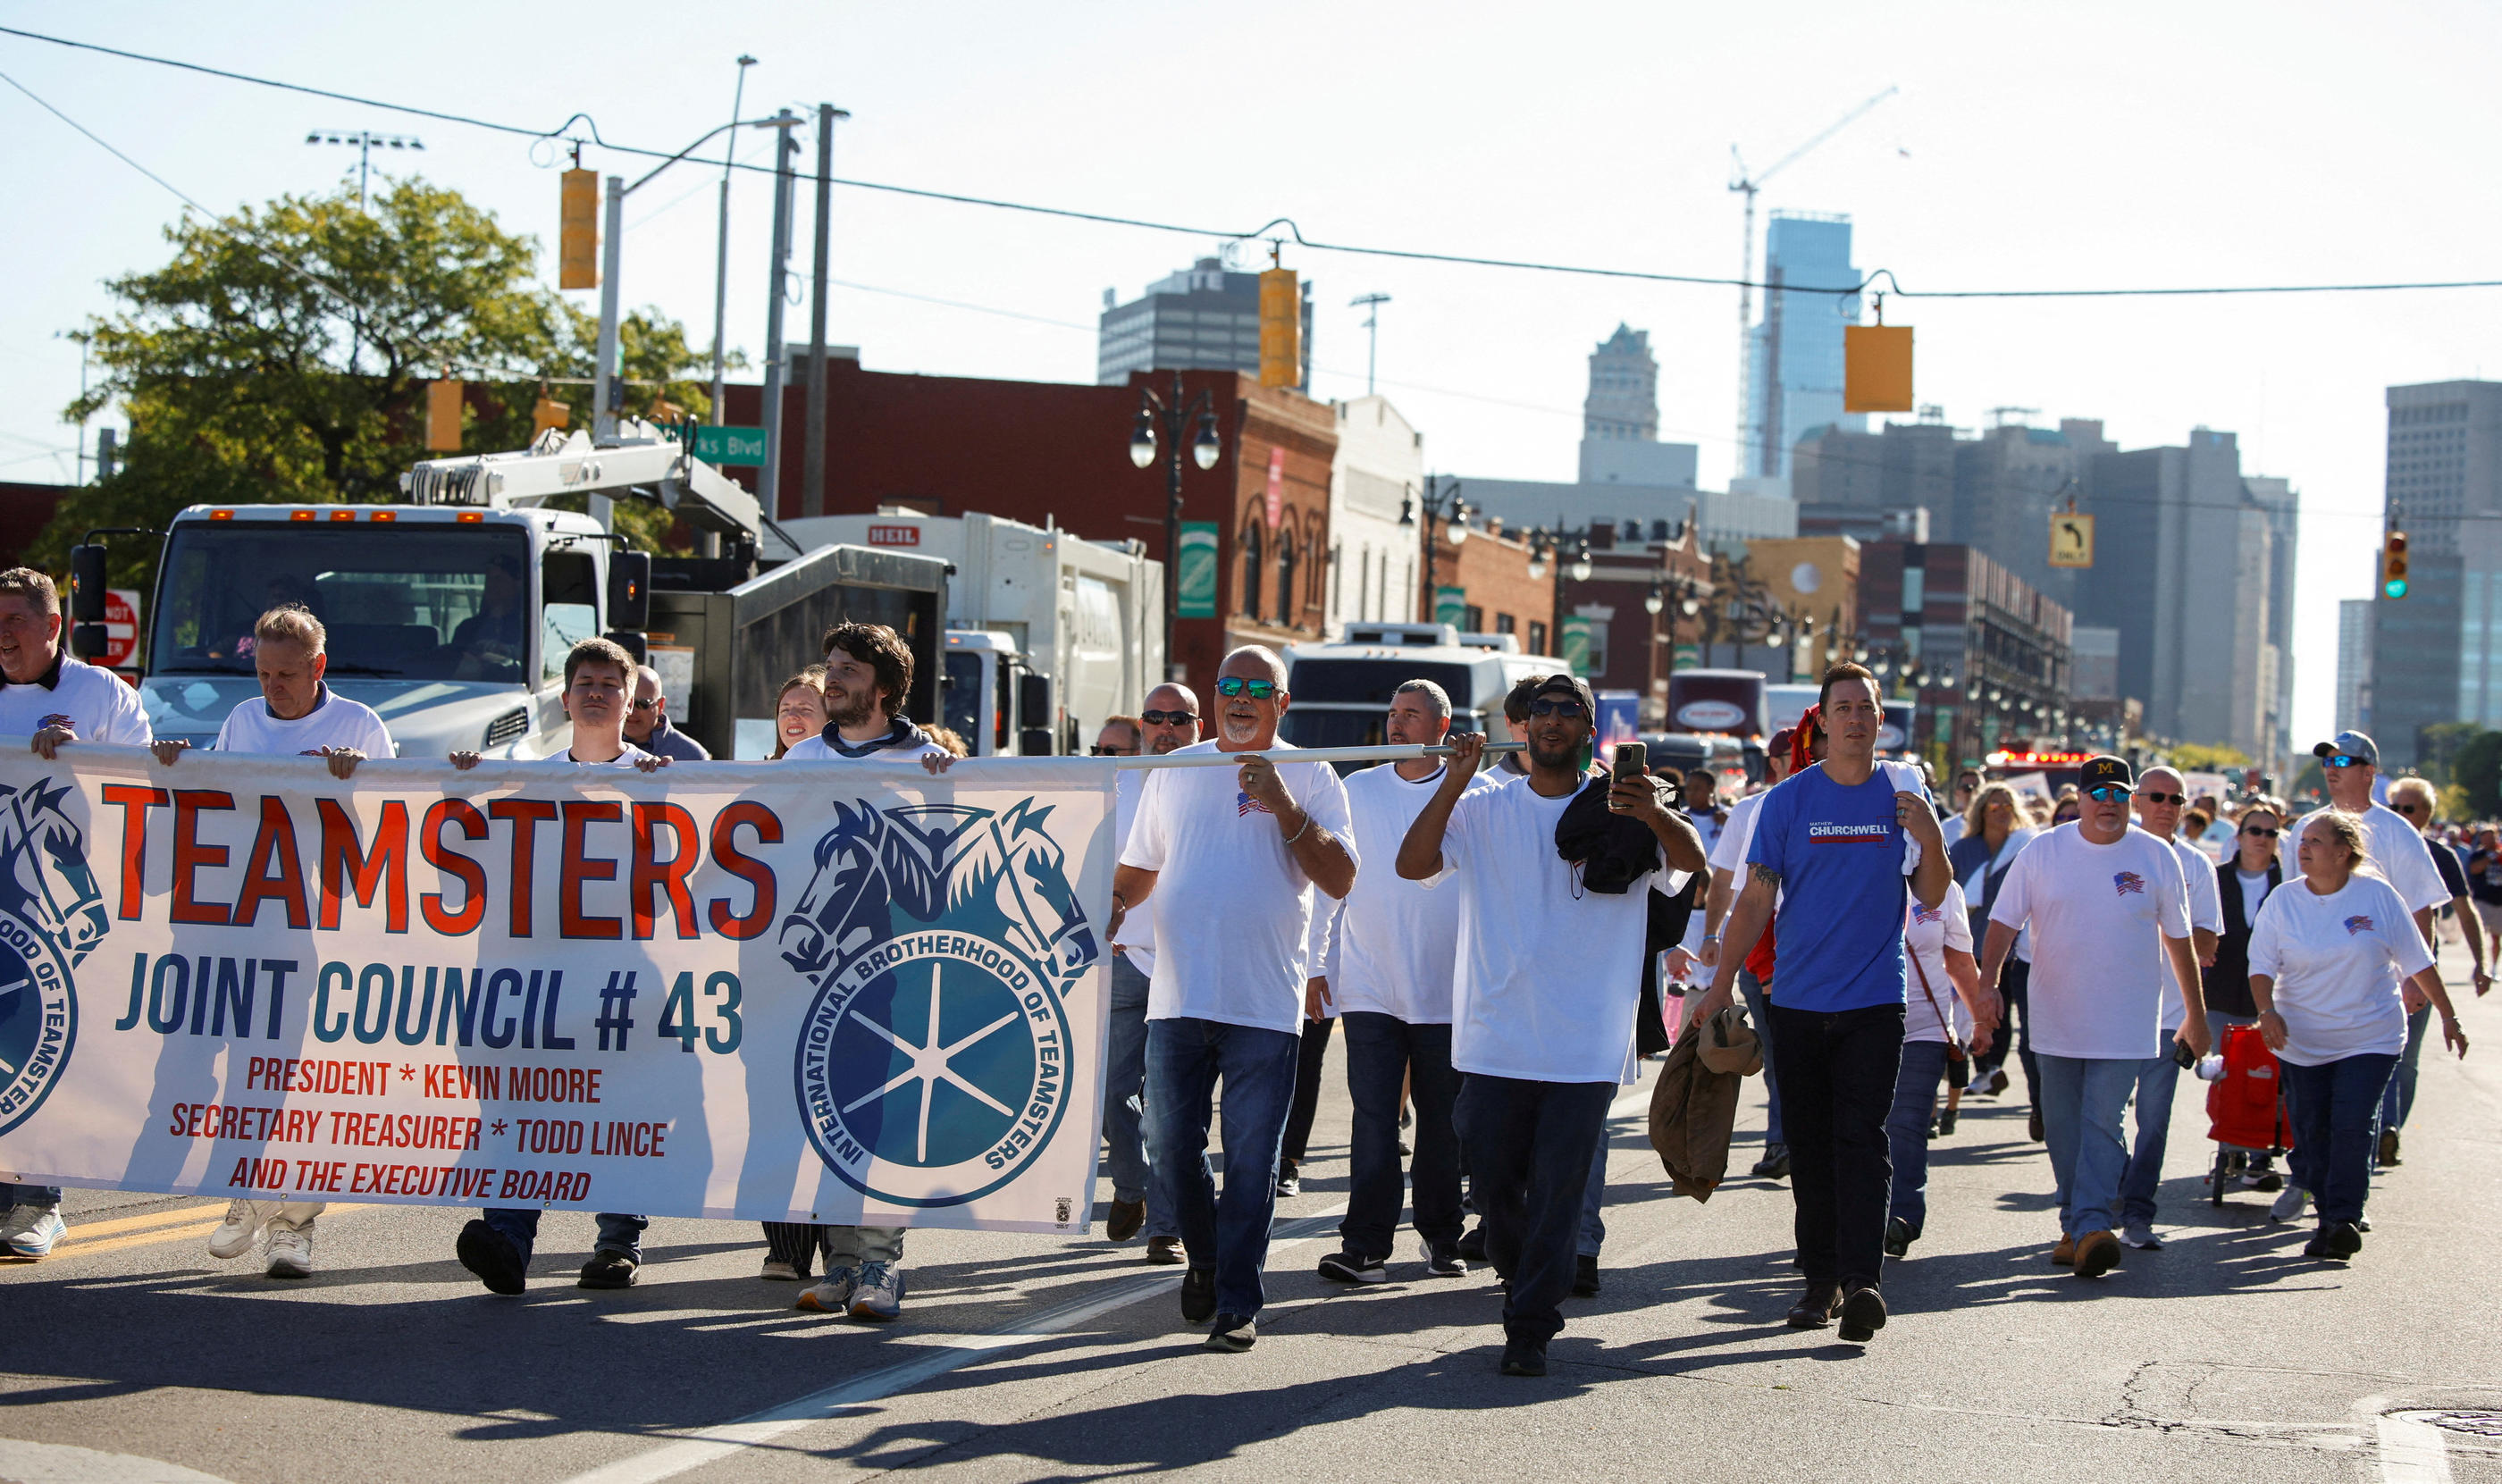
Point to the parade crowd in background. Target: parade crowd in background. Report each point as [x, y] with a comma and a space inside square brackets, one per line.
[1504, 942]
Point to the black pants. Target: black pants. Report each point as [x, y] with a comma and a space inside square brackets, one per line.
[1838, 1071]
[1381, 1053]
[1307, 1087]
[1530, 1144]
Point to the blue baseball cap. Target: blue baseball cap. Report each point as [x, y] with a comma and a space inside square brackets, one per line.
[2352, 744]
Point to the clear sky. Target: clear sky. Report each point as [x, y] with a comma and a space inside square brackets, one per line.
[2113, 144]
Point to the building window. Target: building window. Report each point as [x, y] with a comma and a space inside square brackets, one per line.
[1504, 623]
[1472, 620]
[1251, 566]
[1537, 637]
[1285, 579]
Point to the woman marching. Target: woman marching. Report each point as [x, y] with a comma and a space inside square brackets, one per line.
[2327, 958]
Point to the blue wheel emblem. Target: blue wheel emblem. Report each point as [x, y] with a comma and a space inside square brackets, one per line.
[51, 916]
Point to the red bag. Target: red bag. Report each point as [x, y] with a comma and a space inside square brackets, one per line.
[2244, 1108]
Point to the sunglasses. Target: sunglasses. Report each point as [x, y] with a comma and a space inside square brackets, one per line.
[1169, 717]
[2258, 831]
[1112, 751]
[2104, 793]
[2409, 810]
[645, 706]
[1566, 709]
[2152, 797]
[2347, 761]
[1257, 690]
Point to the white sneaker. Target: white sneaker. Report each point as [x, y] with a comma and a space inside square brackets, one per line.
[833, 1296]
[242, 1227]
[2141, 1237]
[291, 1249]
[2289, 1203]
[30, 1231]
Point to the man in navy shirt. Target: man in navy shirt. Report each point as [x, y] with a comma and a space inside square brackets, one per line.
[1835, 843]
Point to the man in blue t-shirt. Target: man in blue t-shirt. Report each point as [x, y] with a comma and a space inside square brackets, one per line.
[1835, 844]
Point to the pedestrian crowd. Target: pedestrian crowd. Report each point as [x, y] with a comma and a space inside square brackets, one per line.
[1506, 935]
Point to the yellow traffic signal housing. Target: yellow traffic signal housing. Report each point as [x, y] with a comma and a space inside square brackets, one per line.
[1281, 329]
[578, 239]
[549, 412]
[1877, 368]
[443, 415]
[2393, 565]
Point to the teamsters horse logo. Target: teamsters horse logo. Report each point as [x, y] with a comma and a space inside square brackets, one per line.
[51, 916]
[935, 1062]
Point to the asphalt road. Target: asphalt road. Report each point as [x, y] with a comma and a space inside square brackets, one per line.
[132, 1356]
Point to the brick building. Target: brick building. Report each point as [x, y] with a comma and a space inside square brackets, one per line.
[1483, 585]
[1043, 452]
[1957, 612]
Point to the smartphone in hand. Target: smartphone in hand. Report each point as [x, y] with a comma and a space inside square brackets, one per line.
[1633, 761]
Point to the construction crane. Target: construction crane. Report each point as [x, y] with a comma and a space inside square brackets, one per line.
[1747, 185]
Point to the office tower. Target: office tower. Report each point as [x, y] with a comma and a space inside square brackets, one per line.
[1795, 369]
[2437, 653]
[1203, 318]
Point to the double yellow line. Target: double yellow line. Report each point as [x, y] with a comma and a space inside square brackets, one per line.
[90, 1239]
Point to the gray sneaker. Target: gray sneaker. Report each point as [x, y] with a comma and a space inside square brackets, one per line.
[833, 1295]
[880, 1294]
[2289, 1205]
[2140, 1235]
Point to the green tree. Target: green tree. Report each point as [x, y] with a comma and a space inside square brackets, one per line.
[2477, 771]
[2437, 749]
[282, 354]
[2199, 758]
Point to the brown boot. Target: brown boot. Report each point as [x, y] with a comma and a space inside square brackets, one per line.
[2064, 1253]
[2097, 1253]
[1126, 1217]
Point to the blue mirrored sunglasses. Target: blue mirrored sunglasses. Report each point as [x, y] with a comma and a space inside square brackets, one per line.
[1257, 690]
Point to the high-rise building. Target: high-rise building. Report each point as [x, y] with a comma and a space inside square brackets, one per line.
[1623, 404]
[1205, 317]
[1793, 369]
[2354, 664]
[2437, 653]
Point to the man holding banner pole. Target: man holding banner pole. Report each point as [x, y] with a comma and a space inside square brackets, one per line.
[1168, 722]
[296, 715]
[1228, 860]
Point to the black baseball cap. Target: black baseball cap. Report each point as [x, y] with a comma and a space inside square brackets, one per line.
[2105, 769]
[1567, 683]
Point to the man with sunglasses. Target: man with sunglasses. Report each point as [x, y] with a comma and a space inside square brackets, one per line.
[1543, 1033]
[1227, 860]
[2160, 794]
[2109, 908]
[647, 723]
[2413, 799]
[1169, 723]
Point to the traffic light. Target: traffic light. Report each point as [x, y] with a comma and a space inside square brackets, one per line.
[578, 234]
[1281, 326]
[1877, 368]
[2393, 564]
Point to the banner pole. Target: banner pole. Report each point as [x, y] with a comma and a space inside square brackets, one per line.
[1385, 753]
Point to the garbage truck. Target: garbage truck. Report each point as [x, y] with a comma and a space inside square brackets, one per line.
[451, 612]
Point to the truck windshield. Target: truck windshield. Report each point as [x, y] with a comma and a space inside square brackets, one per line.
[421, 601]
[1370, 682]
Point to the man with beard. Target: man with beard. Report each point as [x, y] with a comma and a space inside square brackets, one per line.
[1169, 723]
[1228, 859]
[1543, 1033]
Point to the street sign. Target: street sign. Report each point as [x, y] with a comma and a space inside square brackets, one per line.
[1576, 645]
[726, 446]
[2072, 540]
[121, 626]
[1451, 606]
[1193, 579]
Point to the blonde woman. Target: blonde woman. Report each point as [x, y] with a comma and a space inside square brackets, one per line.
[799, 710]
[2327, 958]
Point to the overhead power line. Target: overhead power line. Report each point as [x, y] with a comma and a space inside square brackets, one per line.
[1282, 228]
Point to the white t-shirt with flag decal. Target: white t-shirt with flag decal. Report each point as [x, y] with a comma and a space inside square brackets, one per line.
[93, 703]
[333, 722]
[2099, 914]
[1233, 909]
[1927, 933]
[2336, 961]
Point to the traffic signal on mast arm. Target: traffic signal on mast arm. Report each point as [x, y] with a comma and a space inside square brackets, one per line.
[2393, 564]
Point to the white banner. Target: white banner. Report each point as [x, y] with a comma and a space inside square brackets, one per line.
[784, 992]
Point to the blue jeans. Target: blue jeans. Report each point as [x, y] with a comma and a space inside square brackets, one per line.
[1186, 1059]
[2399, 1099]
[520, 1224]
[1907, 1130]
[1753, 988]
[2014, 1031]
[1530, 1146]
[2332, 1108]
[1382, 1053]
[1124, 1091]
[47, 1197]
[2158, 1078]
[1594, 1232]
[2084, 1101]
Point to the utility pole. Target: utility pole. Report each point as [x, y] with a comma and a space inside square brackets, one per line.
[604, 388]
[768, 479]
[812, 493]
[1371, 304]
[721, 254]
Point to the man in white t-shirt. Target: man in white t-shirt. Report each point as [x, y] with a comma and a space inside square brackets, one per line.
[55, 699]
[2350, 764]
[296, 715]
[598, 682]
[1169, 723]
[1544, 988]
[2161, 794]
[2109, 915]
[1390, 976]
[1228, 859]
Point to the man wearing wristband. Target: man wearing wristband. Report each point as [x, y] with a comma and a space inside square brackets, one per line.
[1227, 860]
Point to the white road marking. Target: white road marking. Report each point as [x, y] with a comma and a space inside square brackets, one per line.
[2413, 1450]
[56, 1464]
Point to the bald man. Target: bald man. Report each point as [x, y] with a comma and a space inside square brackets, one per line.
[647, 723]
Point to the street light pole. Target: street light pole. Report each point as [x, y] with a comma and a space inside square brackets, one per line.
[1175, 415]
[812, 492]
[768, 479]
[721, 250]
